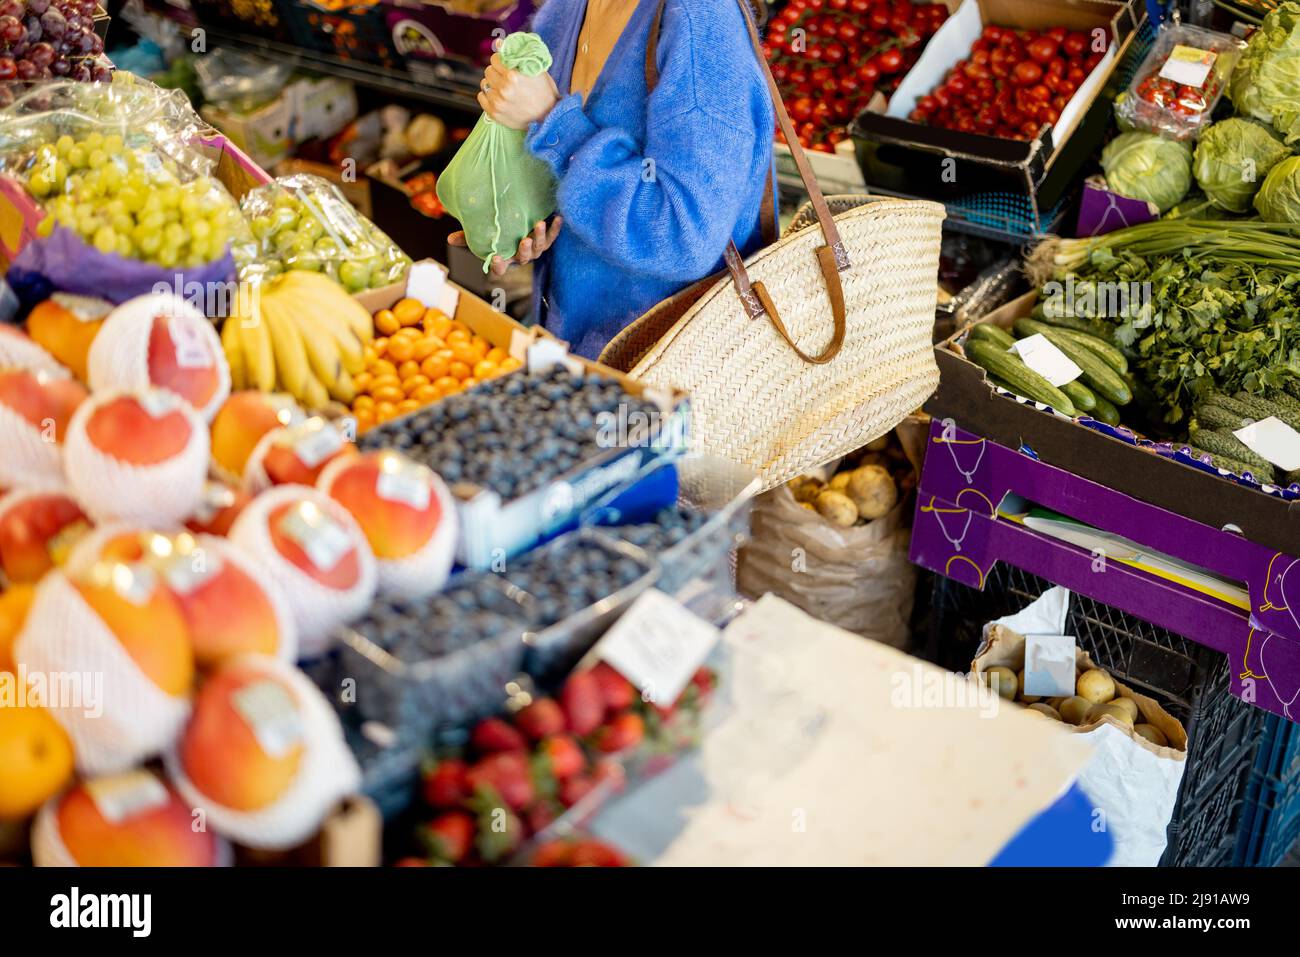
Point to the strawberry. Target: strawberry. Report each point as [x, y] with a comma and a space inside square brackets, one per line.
[624, 731]
[584, 706]
[499, 835]
[552, 854]
[506, 775]
[540, 816]
[616, 691]
[492, 735]
[540, 719]
[593, 853]
[607, 769]
[575, 789]
[411, 862]
[445, 787]
[448, 836]
[564, 757]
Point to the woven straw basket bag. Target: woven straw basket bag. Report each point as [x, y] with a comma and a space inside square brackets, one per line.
[813, 347]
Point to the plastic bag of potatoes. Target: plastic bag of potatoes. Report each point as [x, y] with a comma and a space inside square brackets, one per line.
[1141, 749]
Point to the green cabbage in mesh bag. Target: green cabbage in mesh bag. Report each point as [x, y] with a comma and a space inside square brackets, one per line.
[493, 185]
[1266, 81]
[1232, 159]
[1278, 199]
[1148, 167]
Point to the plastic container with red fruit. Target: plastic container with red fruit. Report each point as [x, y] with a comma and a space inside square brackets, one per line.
[1013, 83]
[1176, 88]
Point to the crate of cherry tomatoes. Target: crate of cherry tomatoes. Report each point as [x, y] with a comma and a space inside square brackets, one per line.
[829, 57]
[348, 29]
[1004, 91]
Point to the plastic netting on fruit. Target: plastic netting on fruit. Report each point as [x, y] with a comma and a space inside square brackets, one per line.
[304, 222]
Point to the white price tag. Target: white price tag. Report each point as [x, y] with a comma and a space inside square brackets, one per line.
[1274, 440]
[314, 445]
[545, 354]
[184, 572]
[324, 540]
[658, 645]
[404, 482]
[1049, 665]
[192, 350]
[1188, 65]
[448, 299]
[1048, 361]
[425, 282]
[271, 714]
[122, 796]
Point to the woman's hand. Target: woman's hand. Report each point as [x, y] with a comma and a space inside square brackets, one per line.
[515, 100]
[530, 247]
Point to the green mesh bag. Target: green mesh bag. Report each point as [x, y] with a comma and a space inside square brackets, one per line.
[493, 185]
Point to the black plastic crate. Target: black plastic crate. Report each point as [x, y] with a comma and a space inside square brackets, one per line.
[1191, 682]
[268, 19]
[356, 31]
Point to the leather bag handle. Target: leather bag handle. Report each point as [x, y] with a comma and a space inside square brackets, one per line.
[832, 257]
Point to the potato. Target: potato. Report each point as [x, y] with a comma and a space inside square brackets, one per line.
[1003, 681]
[1152, 734]
[839, 481]
[808, 505]
[872, 490]
[1047, 709]
[837, 508]
[1055, 703]
[1026, 698]
[1120, 714]
[878, 445]
[805, 488]
[1129, 705]
[1095, 685]
[1074, 710]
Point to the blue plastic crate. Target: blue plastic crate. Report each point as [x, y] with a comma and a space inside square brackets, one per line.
[1270, 824]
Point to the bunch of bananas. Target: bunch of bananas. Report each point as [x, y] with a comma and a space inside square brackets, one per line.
[299, 333]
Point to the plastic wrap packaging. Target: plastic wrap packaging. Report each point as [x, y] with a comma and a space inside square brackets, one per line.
[123, 352]
[1175, 90]
[30, 456]
[18, 351]
[318, 610]
[164, 493]
[240, 81]
[120, 172]
[304, 222]
[134, 720]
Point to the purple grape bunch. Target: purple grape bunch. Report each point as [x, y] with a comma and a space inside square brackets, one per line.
[42, 39]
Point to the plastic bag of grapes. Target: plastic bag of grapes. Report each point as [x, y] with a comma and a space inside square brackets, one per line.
[304, 222]
[129, 203]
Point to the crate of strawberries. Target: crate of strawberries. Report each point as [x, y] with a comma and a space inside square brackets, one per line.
[517, 785]
[829, 57]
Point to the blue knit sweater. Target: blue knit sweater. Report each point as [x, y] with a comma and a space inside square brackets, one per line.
[650, 191]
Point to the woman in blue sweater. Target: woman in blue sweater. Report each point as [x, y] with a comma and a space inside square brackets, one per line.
[653, 183]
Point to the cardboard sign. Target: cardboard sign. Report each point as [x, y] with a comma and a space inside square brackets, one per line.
[657, 645]
[1047, 360]
[425, 282]
[1049, 665]
[1274, 440]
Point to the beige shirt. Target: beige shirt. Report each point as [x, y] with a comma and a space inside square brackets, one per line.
[603, 25]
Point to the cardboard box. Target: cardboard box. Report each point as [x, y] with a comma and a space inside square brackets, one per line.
[304, 110]
[426, 32]
[492, 529]
[352, 836]
[915, 159]
[836, 172]
[1118, 461]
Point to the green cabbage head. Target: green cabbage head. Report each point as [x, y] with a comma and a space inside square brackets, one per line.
[1266, 80]
[1148, 167]
[1232, 159]
[1278, 199]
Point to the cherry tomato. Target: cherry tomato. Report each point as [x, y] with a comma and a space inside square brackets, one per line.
[878, 18]
[815, 51]
[800, 108]
[1042, 50]
[838, 4]
[780, 72]
[1026, 73]
[1067, 88]
[849, 85]
[1090, 64]
[889, 61]
[927, 104]
[831, 87]
[991, 33]
[820, 75]
[957, 84]
[1076, 75]
[860, 6]
[1051, 115]
[977, 71]
[1056, 33]
[833, 53]
[1074, 44]
[848, 32]
[868, 72]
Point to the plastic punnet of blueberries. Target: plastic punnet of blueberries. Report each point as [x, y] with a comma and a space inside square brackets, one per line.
[515, 433]
[671, 526]
[570, 575]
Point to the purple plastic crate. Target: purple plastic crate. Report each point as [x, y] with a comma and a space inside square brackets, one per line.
[427, 33]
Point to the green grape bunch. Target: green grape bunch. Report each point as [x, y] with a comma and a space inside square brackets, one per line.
[130, 201]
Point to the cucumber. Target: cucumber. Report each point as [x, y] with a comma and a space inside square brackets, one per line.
[1097, 374]
[1217, 442]
[1212, 416]
[1259, 407]
[1021, 379]
[1227, 402]
[1292, 386]
[1074, 323]
[1084, 399]
[987, 332]
[1288, 407]
[1232, 465]
[1105, 412]
[1109, 354]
